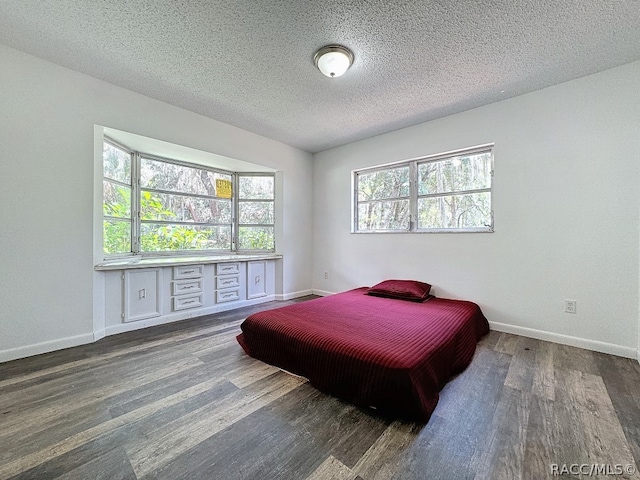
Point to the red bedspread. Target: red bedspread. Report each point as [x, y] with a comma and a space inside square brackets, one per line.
[391, 354]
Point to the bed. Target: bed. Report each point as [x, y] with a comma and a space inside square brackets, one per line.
[387, 353]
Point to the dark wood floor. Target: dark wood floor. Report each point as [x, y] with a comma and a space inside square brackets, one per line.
[184, 401]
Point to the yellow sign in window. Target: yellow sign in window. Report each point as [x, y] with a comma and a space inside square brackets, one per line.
[223, 188]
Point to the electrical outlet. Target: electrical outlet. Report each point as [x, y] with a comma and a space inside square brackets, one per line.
[326, 275]
[570, 306]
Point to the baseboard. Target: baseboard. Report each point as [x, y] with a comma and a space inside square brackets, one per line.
[61, 343]
[184, 315]
[289, 296]
[595, 345]
[98, 334]
[45, 347]
[322, 293]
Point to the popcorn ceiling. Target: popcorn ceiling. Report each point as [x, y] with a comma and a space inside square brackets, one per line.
[250, 63]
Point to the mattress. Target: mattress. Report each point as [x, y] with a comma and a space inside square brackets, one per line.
[390, 354]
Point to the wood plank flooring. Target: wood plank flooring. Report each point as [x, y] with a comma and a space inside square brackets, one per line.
[183, 401]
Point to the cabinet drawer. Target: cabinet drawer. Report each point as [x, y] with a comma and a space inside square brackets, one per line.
[228, 281]
[187, 271]
[184, 302]
[225, 268]
[186, 286]
[227, 295]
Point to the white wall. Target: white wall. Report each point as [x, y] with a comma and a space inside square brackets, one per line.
[566, 197]
[48, 113]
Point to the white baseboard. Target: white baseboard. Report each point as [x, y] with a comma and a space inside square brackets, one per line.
[322, 293]
[585, 343]
[45, 347]
[175, 317]
[61, 343]
[289, 296]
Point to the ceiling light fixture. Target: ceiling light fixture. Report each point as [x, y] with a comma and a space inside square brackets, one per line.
[333, 60]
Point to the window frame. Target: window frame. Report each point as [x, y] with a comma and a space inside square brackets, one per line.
[414, 195]
[136, 221]
[130, 219]
[255, 200]
[140, 221]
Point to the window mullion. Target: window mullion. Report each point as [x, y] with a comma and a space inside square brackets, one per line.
[453, 193]
[235, 209]
[413, 196]
[178, 193]
[385, 199]
[136, 193]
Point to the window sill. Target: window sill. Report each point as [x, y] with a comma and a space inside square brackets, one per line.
[130, 263]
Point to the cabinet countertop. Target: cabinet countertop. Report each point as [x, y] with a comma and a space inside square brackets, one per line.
[149, 262]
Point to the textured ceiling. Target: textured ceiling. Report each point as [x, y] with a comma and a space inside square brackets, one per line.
[249, 62]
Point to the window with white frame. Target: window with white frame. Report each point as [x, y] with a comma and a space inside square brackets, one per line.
[117, 189]
[256, 212]
[448, 192]
[154, 205]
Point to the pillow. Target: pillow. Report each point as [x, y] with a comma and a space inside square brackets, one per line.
[402, 289]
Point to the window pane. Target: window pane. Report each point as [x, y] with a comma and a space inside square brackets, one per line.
[161, 206]
[386, 215]
[116, 163]
[178, 178]
[256, 238]
[455, 211]
[391, 183]
[455, 174]
[255, 188]
[159, 237]
[116, 200]
[117, 236]
[256, 212]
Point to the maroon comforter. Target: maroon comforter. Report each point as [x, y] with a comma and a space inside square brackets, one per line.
[390, 354]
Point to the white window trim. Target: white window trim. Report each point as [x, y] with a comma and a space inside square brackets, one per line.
[413, 191]
[138, 188]
[136, 222]
[237, 223]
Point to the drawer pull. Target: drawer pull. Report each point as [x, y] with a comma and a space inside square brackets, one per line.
[188, 271]
[186, 287]
[188, 301]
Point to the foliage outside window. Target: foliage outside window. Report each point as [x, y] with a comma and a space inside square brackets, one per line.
[440, 193]
[157, 205]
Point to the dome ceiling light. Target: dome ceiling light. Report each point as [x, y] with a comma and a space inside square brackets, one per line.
[333, 60]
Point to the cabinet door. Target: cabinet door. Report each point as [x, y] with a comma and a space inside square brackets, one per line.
[142, 294]
[256, 286]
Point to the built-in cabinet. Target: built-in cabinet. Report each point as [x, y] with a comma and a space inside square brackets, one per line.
[186, 291]
[228, 282]
[142, 297]
[256, 285]
[163, 294]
